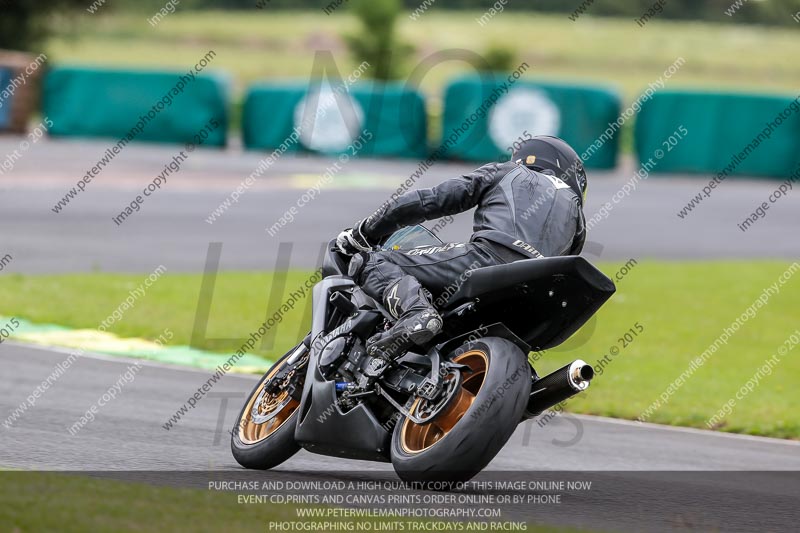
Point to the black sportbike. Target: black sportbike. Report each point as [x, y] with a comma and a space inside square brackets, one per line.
[440, 412]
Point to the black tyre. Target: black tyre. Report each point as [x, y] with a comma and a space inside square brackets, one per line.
[268, 440]
[476, 423]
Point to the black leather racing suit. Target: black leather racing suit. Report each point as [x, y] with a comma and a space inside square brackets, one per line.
[520, 214]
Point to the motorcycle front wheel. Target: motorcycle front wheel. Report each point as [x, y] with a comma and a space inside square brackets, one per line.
[476, 423]
[263, 436]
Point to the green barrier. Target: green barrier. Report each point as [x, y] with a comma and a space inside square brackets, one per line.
[368, 119]
[160, 107]
[482, 120]
[6, 75]
[725, 134]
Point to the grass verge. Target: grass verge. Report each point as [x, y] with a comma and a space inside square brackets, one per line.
[35, 501]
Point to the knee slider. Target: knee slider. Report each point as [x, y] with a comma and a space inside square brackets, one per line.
[357, 264]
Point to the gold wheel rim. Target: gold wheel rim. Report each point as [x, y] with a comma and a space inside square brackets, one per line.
[252, 433]
[415, 438]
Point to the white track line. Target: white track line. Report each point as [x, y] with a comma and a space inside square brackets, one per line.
[682, 429]
[123, 359]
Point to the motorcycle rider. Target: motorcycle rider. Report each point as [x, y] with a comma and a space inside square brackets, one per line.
[529, 207]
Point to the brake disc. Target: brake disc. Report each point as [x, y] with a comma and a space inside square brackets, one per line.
[269, 404]
[428, 410]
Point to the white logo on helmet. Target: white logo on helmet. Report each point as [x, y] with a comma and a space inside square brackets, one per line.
[557, 182]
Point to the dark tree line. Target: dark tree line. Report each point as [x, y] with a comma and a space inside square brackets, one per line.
[23, 23]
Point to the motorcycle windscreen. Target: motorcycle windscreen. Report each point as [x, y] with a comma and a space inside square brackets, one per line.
[543, 301]
[411, 237]
[333, 263]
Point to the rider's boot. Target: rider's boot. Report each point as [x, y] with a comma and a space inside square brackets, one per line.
[417, 320]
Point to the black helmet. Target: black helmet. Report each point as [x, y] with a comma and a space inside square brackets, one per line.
[544, 152]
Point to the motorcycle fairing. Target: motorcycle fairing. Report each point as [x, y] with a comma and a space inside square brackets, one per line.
[543, 301]
[322, 427]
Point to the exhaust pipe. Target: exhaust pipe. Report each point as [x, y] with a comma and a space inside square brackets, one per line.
[562, 384]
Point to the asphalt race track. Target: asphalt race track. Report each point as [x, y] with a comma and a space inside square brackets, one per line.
[171, 227]
[128, 434]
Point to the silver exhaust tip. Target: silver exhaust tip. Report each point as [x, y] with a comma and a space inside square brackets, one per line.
[580, 374]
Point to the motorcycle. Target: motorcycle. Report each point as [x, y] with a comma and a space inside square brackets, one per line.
[441, 412]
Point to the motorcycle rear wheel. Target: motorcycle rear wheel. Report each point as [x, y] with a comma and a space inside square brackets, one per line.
[476, 423]
[265, 445]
